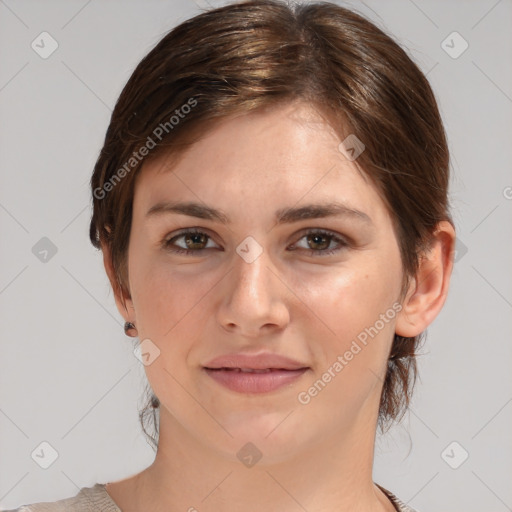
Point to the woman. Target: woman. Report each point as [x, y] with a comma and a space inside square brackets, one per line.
[271, 204]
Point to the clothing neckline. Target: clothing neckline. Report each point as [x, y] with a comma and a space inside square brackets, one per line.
[105, 496]
[396, 502]
[399, 505]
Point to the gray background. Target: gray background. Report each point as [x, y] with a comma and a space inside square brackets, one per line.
[67, 372]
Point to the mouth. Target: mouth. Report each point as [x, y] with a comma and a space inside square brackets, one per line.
[251, 370]
[255, 380]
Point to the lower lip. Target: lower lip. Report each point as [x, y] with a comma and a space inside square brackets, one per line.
[245, 382]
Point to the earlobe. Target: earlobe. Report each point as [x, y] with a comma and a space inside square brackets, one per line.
[428, 290]
[123, 303]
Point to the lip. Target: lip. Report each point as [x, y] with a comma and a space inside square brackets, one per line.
[242, 382]
[281, 371]
[255, 362]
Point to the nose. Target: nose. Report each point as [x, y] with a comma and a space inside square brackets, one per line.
[254, 301]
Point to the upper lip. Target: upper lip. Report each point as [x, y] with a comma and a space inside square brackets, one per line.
[255, 362]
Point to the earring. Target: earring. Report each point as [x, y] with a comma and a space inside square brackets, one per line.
[130, 329]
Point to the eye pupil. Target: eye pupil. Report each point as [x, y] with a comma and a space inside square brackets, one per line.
[316, 239]
[194, 237]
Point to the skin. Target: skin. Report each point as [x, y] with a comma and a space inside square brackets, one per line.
[316, 456]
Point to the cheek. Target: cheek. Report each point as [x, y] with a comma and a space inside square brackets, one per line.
[352, 299]
[359, 307]
[165, 299]
[171, 312]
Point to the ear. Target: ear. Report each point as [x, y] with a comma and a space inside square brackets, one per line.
[124, 303]
[428, 290]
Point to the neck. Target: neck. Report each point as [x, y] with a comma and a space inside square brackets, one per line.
[332, 474]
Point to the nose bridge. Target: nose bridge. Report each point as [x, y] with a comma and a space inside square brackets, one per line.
[253, 298]
[251, 272]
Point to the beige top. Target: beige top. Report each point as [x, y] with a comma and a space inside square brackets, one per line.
[97, 499]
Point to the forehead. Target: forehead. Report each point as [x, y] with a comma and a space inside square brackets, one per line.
[255, 161]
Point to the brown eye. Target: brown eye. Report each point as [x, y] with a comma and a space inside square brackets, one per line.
[190, 241]
[195, 240]
[320, 242]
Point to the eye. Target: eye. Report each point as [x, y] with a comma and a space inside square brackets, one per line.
[318, 241]
[194, 241]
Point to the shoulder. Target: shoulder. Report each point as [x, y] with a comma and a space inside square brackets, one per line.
[399, 505]
[89, 499]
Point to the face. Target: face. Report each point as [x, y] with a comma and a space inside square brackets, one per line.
[269, 274]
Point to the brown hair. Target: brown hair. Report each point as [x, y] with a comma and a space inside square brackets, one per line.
[254, 54]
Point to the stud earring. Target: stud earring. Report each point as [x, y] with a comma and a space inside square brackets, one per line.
[130, 329]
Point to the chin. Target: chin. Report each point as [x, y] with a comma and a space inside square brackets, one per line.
[275, 435]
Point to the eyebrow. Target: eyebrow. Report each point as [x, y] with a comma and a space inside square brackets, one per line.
[283, 216]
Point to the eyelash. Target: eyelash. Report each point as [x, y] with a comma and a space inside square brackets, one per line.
[327, 234]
